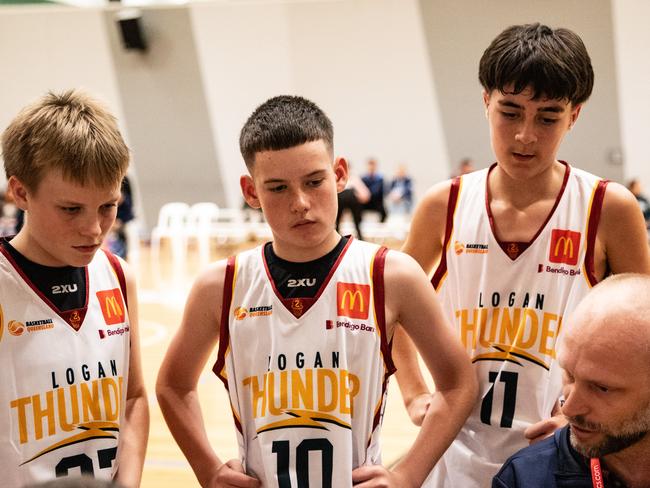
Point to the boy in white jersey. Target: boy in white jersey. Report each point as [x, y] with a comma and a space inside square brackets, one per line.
[72, 388]
[514, 247]
[307, 370]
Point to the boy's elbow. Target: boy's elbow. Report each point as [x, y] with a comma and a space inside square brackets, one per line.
[163, 393]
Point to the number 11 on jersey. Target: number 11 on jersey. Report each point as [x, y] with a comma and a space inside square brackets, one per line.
[509, 380]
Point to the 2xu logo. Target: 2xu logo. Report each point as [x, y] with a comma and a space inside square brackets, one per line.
[57, 289]
[301, 282]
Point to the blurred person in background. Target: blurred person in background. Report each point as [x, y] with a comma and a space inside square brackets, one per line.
[400, 195]
[375, 183]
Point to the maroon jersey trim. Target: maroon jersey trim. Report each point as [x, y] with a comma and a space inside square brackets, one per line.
[441, 270]
[592, 229]
[117, 266]
[378, 265]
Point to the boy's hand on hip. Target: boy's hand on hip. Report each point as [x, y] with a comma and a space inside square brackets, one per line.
[378, 477]
[232, 475]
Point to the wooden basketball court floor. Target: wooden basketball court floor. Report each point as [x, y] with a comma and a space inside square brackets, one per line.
[162, 292]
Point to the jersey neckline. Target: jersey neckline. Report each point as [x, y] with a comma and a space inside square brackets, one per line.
[503, 245]
[305, 303]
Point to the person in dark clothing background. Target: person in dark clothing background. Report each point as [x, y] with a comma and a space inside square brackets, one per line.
[375, 183]
[117, 241]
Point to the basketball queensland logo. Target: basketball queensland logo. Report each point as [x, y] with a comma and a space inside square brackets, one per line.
[353, 300]
[15, 328]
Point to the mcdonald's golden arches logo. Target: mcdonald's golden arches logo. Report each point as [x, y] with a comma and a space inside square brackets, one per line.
[565, 246]
[112, 306]
[353, 300]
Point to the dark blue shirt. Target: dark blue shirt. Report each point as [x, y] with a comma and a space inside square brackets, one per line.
[551, 463]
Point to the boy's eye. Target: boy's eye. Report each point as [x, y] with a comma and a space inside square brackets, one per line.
[70, 210]
[602, 388]
[108, 207]
[509, 115]
[316, 182]
[278, 188]
[546, 121]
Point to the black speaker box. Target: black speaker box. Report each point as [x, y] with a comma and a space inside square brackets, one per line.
[130, 25]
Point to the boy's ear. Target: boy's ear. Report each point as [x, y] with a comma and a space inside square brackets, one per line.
[18, 191]
[341, 172]
[575, 112]
[486, 101]
[249, 191]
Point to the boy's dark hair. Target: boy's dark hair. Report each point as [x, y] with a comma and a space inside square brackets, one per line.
[283, 122]
[69, 132]
[553, 62]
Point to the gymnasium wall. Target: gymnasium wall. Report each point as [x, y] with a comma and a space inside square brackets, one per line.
[632, 42]
[164, 104]
[397, 77]
[364, 62]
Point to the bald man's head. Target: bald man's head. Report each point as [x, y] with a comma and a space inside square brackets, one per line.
[615, 312]
[605, 353]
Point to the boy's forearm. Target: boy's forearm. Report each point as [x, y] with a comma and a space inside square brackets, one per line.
[409, 375]
[446, 415]
[133, 442]
[184, 418]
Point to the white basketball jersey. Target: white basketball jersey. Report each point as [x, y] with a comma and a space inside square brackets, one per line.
[508, 314]
[307, 393]
[62, 390]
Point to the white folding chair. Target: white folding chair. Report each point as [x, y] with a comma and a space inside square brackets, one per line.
[201, 224]
[231, 226]
[172, 222]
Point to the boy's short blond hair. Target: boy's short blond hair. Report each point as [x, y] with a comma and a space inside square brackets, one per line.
[69, 132]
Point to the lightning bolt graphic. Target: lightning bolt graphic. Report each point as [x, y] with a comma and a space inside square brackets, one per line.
[304, 418]
[510, 353]
[91, 430]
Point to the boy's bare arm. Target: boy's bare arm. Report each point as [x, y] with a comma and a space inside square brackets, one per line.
[424, 243]
[623, 232]
[135, 430]
[177, 381]
[411, 300]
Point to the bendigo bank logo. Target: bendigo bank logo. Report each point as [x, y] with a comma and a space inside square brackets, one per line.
[353, 300]
[565, 246]
[112, 306]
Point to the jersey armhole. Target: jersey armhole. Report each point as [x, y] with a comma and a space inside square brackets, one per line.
[595, 210]
[441, 270]
[378, 266]
[117, 267]
[224, 330]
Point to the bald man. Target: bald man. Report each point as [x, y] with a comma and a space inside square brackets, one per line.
[605, 357]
